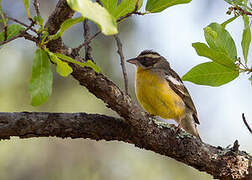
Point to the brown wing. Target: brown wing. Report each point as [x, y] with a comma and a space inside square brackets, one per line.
[177, 85]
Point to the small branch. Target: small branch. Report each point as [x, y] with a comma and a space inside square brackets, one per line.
[240, 10]
[5, 32]
[77, 49]
[120, 52]
[36, 7]
[246, 124]
[129, 14]
[21, 23]
[21, 34]
[99, 2]
[236, 146]
[31, 38]
[140, 13]
[86, 35]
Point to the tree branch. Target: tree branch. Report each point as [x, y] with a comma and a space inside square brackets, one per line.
[73, 125]
[86, 35]
[36, 7]
[120, 52]
[19, 22]
[21, 34]
[87, 41]
[223, 163]
[246, 123]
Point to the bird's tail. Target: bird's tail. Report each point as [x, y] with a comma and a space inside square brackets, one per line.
[189, 125]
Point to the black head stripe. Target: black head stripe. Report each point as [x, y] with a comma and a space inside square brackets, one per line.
[148, 58]
[148, 52]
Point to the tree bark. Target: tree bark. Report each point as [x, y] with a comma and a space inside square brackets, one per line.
[223, 163]
[136, 127]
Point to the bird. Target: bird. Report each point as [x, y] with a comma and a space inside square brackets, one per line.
[161, 92]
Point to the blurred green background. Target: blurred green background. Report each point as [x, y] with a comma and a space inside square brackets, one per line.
[171, 34]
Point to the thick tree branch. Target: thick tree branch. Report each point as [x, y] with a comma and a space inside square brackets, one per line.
[74, 125]
[228, 163]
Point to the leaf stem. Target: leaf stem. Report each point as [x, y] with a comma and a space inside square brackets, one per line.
[229, 21]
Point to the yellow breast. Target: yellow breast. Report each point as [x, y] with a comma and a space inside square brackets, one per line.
[156, 96]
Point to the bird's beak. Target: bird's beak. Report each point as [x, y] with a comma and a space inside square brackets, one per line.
[133, 61]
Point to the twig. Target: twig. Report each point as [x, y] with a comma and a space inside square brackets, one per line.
[86, 35]
[236, 146]
[36, 7]
[21, 34]
[120, 52]
[242, 11]
[99, 2]
[19, 22]
[77, 49]
[129, 14]
[31, 38]
[5, 32]
[246, 124]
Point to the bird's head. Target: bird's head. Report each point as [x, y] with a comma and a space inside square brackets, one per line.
[148, 59]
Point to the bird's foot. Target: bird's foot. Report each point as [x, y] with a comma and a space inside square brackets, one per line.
[178, 128]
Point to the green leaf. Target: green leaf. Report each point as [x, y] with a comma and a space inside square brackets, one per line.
[69, 59]
[65, 25]
[217, 56]
[110, 5]
[210, 73]
[12, 30]
[246, 38]
[41, 79]
[235, 2]
[155, 6]
[62, 68]
[125, 7]
[4, 21]
[89, 63]
[92, 65]
[96, 13]
[250, 79]
[26, 4]
[39, 20]
[220, 39]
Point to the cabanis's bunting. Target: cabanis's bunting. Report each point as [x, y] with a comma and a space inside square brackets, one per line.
[162, 93]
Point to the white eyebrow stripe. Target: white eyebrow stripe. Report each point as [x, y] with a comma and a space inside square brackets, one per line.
[173, 80]
[150, 56]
